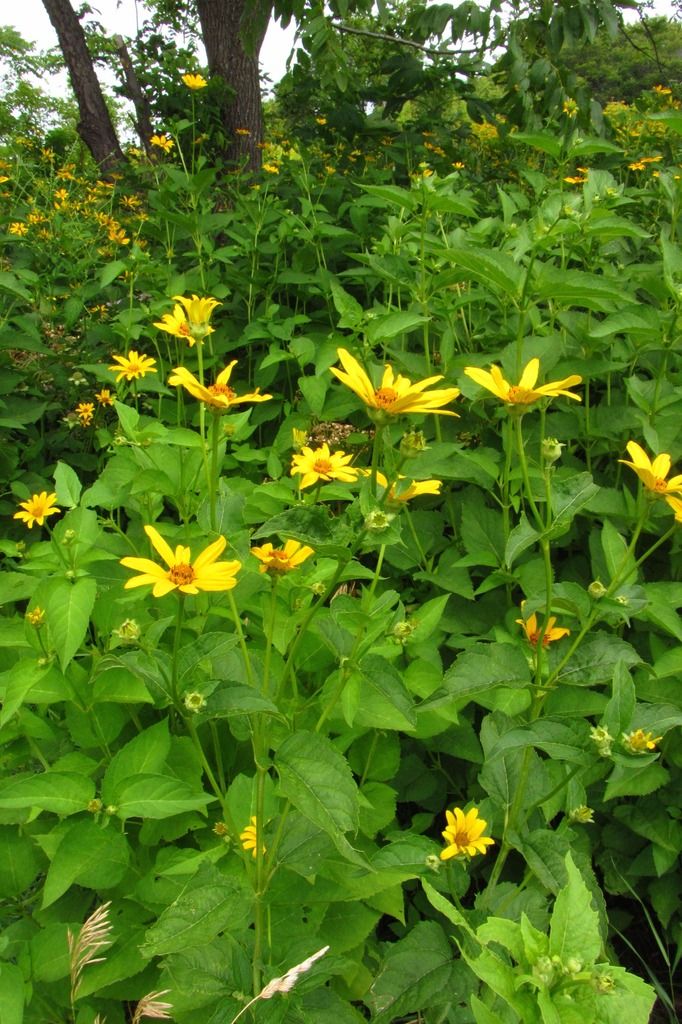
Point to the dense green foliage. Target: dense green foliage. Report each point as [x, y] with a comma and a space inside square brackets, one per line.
[202, 790]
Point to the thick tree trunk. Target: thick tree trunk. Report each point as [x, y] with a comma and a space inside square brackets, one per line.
[95, 126]
[143, 124]
[233, 33]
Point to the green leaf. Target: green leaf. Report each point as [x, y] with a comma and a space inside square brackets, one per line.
[60, 792]
[389, 325]
[211, 905]
[309, 525]
[20, 862]
[145, 753]
[574, 927]
[618, 712]
[393, 195]
[89, 855]
[11, 993]
[615, 549]
[158, 796]
[110, 271]
[318, 781]
[17, 683]
[578, 288]
[546, 143]
[568, 497]
[384, 702]
[488, 266]
[482, 668]
[68, 607]
[351, 313]
[239, 700]
[520, 539]
[67, 485]
[596, 659]
[418, 972]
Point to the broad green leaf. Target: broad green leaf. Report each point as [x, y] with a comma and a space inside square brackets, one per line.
[351, 313]
[67, 485]
[634, 781]
[383, 702]
[618, 713]
[481, 668]
[110, 271]
[316, 778]
[20, 861]
[307, 524]
[68, 608]
[546, 143]
[578, 288]
[239, 700]
[393, 195]
[520, 539]
[596, 658]
[615, 551]
[60, 792]
[563, 741]
[574, 927]
[158, 796]
[211, 905]
[388, 325]
[17, 683]
[418, 972]
[489, 267]
[88, 855]
[11, 993]
[568, 497]
[146, 752]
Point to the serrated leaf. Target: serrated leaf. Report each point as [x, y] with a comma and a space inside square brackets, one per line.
[68, 607]
[308, 525]
[596, 658]
[145, 753]
[318, 781]
[520, 539]
[158, 796]
[568, 497]
[385, 702]
[574, 927]
[67, 485]
[91, 856]
[60, 792]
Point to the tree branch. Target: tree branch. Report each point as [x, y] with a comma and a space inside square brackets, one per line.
[400, 41]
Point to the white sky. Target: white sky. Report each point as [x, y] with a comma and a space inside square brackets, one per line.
[122, 17]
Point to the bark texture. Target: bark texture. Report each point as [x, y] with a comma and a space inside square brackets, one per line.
[134, 91]
[95, 126]
[233, 33]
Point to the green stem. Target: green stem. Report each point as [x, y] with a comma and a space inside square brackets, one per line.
[242, 639]
[176, 648]
[523, 462]
[213, 471]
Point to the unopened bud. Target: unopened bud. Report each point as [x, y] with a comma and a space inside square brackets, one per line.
[194, 702]
[128, 631]
[378, 520]
[412, 444]
[69, 537]
[581, 815]
[551, 450]
[94, 806]
[603, 740]
[596, 590]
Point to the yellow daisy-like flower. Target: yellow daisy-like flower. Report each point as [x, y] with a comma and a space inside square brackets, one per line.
[281, 560]
[653, 474]
[640, 742]
[163, 142]
[17, 227]
[525, 392]
[396, 394]
[400, 493]
[104, 397]
[37, 509]
[36, 617]
[205, 573]
[323, 465]
[219, 395]
[464, 834]
[189, 319]
[195, 82]
[676, 506]
[133, 366]
[249, 837]
[85, 412]
[549, 634]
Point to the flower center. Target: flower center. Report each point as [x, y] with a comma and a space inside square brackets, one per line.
[520, 396]
[385, 397]
[184, 329]
[322, 466]
[534, 637]
[181, 574]
[660, 485]
[222, 389]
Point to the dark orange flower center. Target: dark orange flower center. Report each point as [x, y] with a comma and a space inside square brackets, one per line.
[520, 396]
[322, 466]
[660, 485]
[535, 636]
[184, 329]
[181, 574]
[385, 397]
[222, 389]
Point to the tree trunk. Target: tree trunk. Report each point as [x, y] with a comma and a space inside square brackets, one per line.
[143, 124]
[95, 126]
[233, 33]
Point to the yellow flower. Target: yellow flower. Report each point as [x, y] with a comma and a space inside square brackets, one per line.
[662, 90]
[458, 165]
[321, 120]
[189, 319]
[652, 474]
[525, 392]
[280, 560]
[104, 397]
[249, 837]
[577, 180]
[205, 573]
[195, 82]
[163, 142]
[396, 395]
[36, 617]
[570, 107]
[17, 227]
[271, 168]
[219, 395]
[676, 506]
[242, 131]
[133, 366]
[400, 493]
[549, 634]
[85, 412]
[321, 464]
[639, 742]
[37, 509]
[463, 834]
